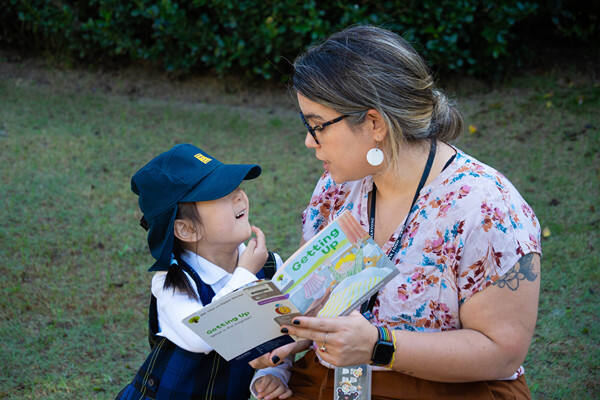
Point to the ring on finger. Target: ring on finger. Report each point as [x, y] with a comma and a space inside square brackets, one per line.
[323, 347]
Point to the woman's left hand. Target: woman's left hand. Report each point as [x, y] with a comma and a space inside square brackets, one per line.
[276, 356]
[342, 341]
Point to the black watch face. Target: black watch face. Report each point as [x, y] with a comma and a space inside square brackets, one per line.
[384, 351]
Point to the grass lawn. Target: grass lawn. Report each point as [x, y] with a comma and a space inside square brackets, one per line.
[74, 286]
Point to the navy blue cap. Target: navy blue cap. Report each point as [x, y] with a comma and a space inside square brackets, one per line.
[185, 173]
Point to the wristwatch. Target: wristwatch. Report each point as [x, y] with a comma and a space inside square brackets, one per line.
[383, 352]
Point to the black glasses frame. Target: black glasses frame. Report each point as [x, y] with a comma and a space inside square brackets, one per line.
[313, 129]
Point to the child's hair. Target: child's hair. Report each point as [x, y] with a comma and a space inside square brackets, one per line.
[176, 278]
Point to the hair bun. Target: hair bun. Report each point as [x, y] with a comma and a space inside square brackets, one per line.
[446, 120]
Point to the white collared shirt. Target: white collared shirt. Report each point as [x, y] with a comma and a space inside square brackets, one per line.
[173, 306]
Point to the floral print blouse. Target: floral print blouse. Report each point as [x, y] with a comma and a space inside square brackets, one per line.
[468, 227]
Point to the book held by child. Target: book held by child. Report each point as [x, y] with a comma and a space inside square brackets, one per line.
[330, 275]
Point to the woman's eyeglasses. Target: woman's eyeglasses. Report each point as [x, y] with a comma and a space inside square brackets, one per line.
[313, 129]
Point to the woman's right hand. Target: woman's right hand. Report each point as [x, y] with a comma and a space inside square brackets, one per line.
[255, 255]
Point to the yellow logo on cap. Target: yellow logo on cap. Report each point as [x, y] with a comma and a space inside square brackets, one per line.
[203, 158]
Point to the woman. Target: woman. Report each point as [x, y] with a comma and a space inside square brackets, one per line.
[458, 319]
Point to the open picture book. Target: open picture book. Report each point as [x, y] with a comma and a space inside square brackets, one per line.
[330, 275]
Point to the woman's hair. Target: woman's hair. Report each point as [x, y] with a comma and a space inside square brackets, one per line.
[176, 278]
[366, 67]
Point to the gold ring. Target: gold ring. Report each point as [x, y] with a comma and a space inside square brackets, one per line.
[323, 348]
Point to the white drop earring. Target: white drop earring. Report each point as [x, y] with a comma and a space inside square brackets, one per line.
[375, 156]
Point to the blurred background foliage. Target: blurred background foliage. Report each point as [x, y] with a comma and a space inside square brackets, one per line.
[260, 38]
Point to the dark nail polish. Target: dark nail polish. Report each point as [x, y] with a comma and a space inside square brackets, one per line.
[275, 359]
[284, 330]
[296, 322]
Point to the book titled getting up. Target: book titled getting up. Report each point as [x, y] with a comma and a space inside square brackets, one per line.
[330, 275]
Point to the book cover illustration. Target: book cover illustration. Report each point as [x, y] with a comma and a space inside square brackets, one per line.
[335, 271]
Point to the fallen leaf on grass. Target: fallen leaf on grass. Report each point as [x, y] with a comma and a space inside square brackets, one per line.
[549, 104]
[546, 232]
[472, 129]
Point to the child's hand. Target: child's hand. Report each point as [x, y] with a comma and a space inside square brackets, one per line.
[255, 255]
[271, 387]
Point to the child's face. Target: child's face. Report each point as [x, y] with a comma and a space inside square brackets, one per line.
[225, 220]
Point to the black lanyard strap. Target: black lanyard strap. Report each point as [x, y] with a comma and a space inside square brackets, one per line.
[368, 306]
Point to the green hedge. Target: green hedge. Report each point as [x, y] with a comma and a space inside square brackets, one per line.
[261, 38]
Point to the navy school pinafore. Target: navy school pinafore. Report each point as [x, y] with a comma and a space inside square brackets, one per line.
[171, 372]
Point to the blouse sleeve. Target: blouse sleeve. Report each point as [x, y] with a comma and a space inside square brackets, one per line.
[503, 229]
[281, 371]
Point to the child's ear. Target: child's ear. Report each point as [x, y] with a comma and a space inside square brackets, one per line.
[185, 231]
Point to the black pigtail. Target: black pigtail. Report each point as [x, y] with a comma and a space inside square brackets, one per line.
[178, 280]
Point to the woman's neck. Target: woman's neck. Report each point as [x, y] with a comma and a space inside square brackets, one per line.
[402, 179]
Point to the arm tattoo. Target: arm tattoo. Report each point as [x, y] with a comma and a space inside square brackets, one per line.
[523, 270]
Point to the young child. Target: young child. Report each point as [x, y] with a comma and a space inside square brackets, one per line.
[197, 221]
